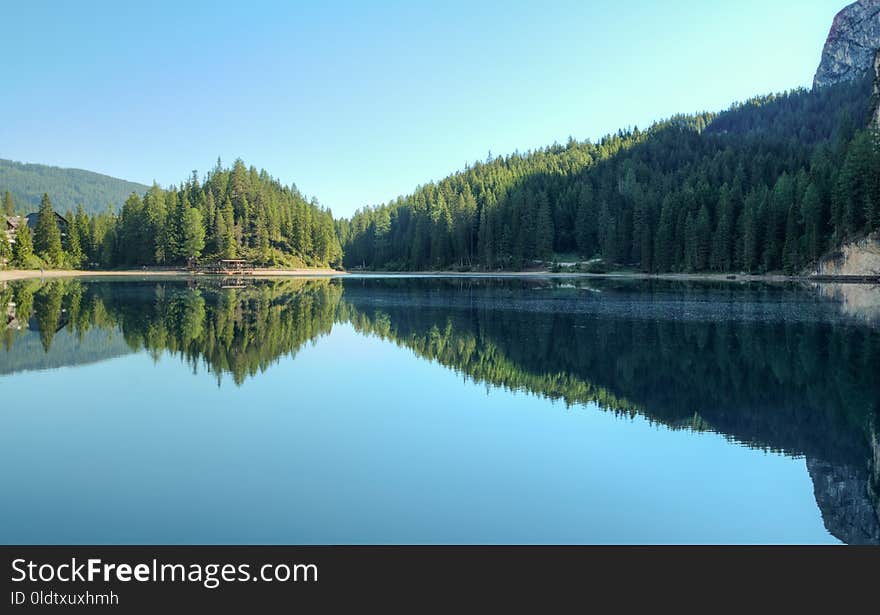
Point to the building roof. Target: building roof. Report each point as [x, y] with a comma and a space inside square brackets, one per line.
[33, 218]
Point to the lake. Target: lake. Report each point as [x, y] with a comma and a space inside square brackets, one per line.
[368, 410]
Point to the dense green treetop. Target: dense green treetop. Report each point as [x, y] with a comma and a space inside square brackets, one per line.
[231, 213]
[47, 235]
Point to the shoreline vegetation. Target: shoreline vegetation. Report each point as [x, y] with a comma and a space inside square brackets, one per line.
[10, 275]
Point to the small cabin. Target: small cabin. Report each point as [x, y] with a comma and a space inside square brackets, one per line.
[63, 224]
[10, 226]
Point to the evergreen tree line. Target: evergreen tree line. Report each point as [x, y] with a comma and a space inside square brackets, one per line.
[44, 249]
[234, 213]
[770, 184]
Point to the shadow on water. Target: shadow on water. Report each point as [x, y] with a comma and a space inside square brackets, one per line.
[777, 367]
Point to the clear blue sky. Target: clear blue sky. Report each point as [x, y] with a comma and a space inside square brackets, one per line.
[357, 102]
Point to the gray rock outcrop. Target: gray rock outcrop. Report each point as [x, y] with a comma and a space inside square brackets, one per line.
[857, 258]
[851, 45]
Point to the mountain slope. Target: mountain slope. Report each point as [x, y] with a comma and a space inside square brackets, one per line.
[67, 187]
[768, 185]
[771, 184]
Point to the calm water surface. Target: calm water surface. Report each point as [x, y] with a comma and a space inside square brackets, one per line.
[411, 410]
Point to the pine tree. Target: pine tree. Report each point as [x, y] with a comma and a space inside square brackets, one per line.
[486, 241]
[84, 231]
[585, 223]
[262, 237]
[193, 234]
[74, 246]
[135, 233]
[8, 205]
[210, 220]
[703, 239]
[791, 258]
[543, 229]
[722, 243]
[47, 236]
[177, 205]
[664, 247]
[5, 248]
[155, 215]
[752, 235]
[608, 224]
[23, 248]
[227, 242]
[779, 204]
[812, 211]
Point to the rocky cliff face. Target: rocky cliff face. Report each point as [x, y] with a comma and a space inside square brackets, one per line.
[852, 43]
[857, 258]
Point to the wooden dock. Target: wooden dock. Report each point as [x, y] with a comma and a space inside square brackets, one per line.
[227, 267]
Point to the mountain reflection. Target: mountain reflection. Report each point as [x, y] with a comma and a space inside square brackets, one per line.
[781, 368]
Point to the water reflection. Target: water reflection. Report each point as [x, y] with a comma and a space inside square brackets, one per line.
[238, 331]
[782, 368]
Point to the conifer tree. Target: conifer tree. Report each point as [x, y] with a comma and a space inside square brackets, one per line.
[543, 228]
[664, 246]
[192, 234]
[703, 239]
[262, 239]
[47, 236]
[791, 258]
[227, 241]
[84, 232]
[5, 248]
[74, 246]
[23, 248]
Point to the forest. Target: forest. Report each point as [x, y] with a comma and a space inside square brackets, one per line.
[770, 184]
[232, 213]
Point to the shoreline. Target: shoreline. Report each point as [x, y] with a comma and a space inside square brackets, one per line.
[26, 274]
[29, 274]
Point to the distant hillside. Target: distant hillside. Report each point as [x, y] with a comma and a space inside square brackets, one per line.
[66, 187]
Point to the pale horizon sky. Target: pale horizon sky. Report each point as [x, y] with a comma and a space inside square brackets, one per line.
[359, 102]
